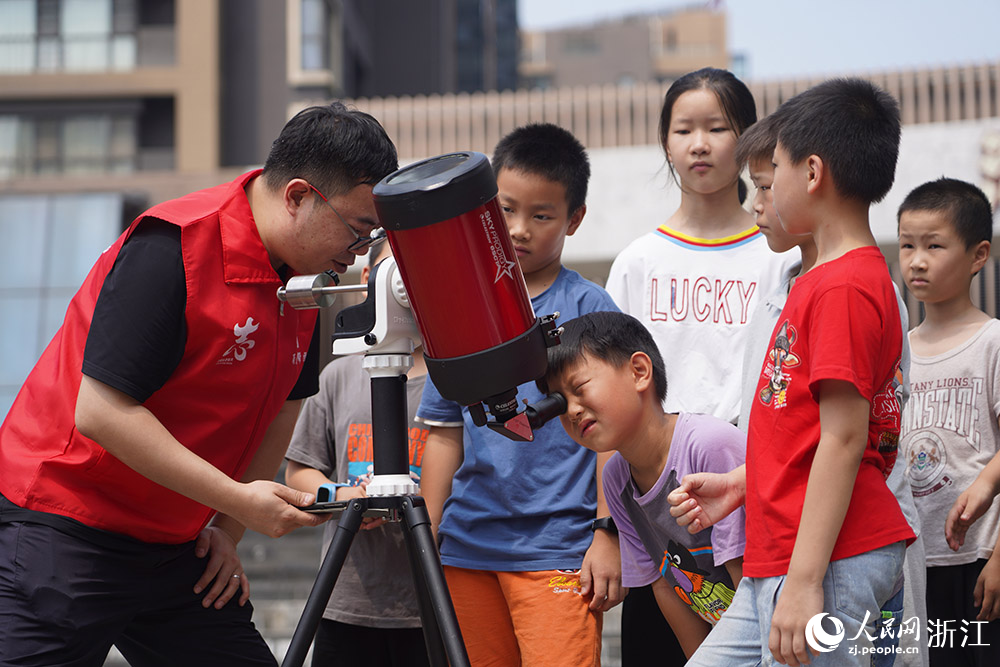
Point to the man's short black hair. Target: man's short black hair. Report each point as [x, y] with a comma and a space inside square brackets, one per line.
[612, 337]
[756, 144]
[549, 151]
[853, 126]
[966, 207]
[332, 147]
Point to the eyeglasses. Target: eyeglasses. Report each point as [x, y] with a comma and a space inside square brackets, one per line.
[360, 242]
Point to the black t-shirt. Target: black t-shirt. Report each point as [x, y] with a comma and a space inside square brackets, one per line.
[138, 332]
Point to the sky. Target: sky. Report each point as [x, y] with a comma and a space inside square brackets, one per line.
[791, 38]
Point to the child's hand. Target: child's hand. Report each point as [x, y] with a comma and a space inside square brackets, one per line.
[703, 499]
[601, 572]
[986, 595]
[359, 491]
[972, 504]
[796, 605]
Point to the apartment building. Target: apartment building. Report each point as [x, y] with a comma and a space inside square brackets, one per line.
[633, 49]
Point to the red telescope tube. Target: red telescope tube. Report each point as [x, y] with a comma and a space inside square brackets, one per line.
[456, 259]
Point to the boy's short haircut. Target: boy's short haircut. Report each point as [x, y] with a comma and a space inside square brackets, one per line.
[612, 337]
[966, 207]
[549, 151]
[757, 143]
[851, 124]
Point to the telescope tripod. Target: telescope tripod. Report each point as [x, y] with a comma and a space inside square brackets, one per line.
[391, 495]
[384, 328]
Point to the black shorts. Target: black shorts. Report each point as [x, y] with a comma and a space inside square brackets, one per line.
[954, 636]
[344, 645]
[64, 600]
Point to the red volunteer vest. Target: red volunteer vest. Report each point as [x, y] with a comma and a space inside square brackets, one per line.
[243, 355]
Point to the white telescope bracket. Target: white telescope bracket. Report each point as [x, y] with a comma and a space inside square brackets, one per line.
[387, 345]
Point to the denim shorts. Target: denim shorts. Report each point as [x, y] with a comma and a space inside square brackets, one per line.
[854, 591]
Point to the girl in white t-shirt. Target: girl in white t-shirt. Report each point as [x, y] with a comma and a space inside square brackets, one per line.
[695, 280]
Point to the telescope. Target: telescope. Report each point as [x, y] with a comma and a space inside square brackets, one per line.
[454, 285]
[460, 274]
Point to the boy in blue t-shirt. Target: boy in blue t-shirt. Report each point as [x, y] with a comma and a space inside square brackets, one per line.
[528, 571]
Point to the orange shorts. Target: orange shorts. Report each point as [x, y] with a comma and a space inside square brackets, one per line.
[534, 619]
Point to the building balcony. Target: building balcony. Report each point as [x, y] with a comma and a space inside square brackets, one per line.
[99, 53]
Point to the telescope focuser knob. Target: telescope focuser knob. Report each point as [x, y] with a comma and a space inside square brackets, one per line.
[306, 292]
[551, 332]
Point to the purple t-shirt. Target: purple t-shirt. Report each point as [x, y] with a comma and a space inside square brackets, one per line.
[653, 545]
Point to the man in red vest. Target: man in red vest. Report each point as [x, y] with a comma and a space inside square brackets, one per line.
[145, 440]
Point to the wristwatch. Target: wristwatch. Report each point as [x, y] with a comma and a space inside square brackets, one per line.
[605, 522]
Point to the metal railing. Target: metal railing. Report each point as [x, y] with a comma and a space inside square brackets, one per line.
[610, 115]
[32, 54]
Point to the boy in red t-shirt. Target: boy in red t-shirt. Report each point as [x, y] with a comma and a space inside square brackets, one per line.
[825, 536]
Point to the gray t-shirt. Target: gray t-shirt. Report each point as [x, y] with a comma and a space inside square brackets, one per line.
[949, 434]
[653, 545]
[334, 435]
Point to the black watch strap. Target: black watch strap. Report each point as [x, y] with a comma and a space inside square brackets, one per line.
[605, 522]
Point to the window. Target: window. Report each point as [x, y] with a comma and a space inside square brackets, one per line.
[17, 31]
[50, 243]
[315, 35]
[85, 142]
[46, 149]
[533, 48]
[581, 44]
[71, 35]
[670, 39]
[8, 145]
[84, 27]
[71, 143]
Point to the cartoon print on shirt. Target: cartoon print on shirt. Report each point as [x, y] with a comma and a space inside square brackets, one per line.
[927, 463]
[361, 452]
[708, 599]
[886, 411]
[779, 357]
[886, 403]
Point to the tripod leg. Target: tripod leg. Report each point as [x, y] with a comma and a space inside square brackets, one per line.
[419, 531]
[432, 631]
[333, 562]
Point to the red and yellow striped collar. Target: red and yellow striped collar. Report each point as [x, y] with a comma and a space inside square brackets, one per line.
[709, 244]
